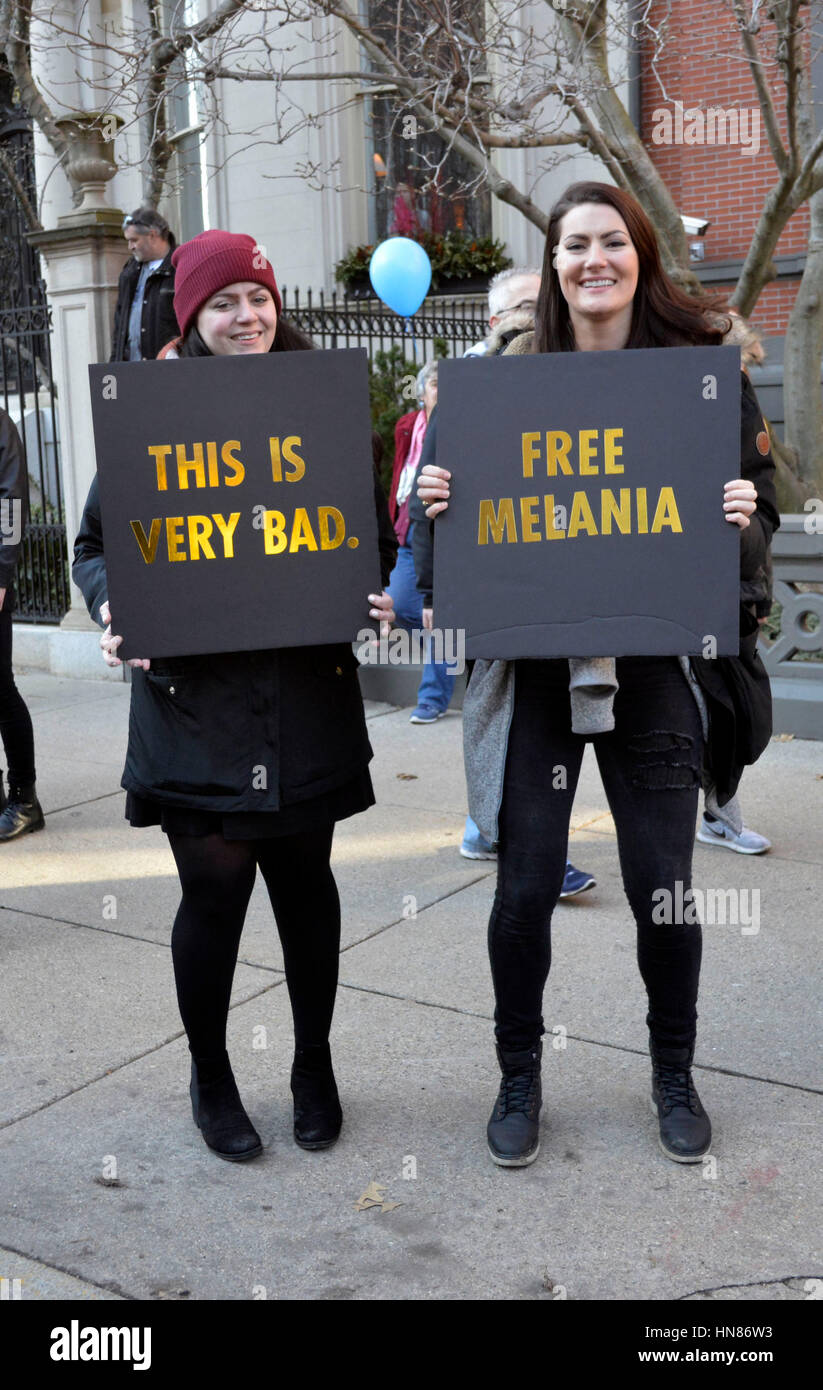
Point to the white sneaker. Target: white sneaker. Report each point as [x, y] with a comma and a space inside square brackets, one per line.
[747, 842]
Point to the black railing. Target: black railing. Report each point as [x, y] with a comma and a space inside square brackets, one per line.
[28, 397]
[27, 391]
[343, 320]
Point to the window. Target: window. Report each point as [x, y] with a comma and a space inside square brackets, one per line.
[419, 184]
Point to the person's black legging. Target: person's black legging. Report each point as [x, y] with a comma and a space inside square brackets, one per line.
[650, 766]
[217, 877]
[15, 722]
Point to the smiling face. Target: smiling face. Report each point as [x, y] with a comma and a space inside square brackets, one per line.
[239, 319]
[597, 266]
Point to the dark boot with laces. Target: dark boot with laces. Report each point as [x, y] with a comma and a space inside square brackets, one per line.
[685, 1128]
[514, 1127]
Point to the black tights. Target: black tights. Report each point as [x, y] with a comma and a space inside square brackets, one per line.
[217, 877]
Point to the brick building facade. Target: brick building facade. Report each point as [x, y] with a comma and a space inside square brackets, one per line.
[702, 66]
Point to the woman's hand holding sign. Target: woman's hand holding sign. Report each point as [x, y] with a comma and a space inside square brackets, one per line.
[382, 608]
[109, 644]
[739, 501]
[433, 488]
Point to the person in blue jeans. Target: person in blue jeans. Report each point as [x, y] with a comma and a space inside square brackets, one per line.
[437, 685]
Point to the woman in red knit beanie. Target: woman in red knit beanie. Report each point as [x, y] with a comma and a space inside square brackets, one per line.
[199, 729]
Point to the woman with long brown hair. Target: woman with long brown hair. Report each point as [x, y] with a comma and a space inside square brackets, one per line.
[603, 288]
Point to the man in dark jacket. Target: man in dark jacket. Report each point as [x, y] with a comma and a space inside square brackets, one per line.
[22, 813]
[144, 320]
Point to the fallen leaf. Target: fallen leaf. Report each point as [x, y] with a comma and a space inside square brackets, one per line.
[390, 1206]
[372, 1197]
[407, 776]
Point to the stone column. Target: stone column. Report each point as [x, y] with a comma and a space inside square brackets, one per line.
[83, 256]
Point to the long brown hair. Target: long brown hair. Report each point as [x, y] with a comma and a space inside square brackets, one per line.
[663, 315]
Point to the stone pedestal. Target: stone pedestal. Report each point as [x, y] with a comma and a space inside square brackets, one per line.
[82, 264]
[82, 258]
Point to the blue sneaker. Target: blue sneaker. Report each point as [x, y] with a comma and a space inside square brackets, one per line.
[426, 714]
[477, 847]
[746, 842]
[575, 881]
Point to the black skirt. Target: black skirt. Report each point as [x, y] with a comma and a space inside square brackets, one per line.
[354, 796]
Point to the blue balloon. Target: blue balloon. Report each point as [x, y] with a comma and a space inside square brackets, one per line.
[400, 272]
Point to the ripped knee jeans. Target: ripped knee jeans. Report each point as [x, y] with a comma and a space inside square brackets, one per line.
[650, 765]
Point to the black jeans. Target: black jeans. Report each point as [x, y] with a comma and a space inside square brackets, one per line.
[650, 765]
[15, 721]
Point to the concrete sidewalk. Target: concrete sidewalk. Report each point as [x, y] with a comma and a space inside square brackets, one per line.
[109, 1191]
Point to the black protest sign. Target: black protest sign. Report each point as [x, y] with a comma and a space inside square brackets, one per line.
[237, 500]
[586, 516]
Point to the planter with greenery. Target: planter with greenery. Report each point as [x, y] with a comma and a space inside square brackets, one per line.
[458, 262]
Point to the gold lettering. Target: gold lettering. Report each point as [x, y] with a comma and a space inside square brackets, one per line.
[274, 533]
[211, 457]
[558, 444]
[587, 445]
[227, 529]
[291, 456]
[666, 513]
[161, 453]
[230, 461]
[609, 511]
[610, 451]
[276, 461]
[531, 451]
[148, 544]
[581, 518]
[529, 521]
[642, 513]
[200, 528]
[324, 516]
[174, 539]
[301, 532]
[552, 533]
[491, 522]
[190, 465]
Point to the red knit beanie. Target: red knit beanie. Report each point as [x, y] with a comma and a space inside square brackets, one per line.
[214, 259]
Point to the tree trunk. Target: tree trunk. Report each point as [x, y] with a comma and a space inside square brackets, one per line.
[802, 393]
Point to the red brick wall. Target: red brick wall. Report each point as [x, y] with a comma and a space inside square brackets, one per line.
[702, 65]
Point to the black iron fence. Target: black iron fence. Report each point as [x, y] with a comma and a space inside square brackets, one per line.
[26, 380]
[27, 395]
[342, 320]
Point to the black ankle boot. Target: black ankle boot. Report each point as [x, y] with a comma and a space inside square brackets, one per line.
[318, 1118]
[685, 1128]
[219, 1115]
[22, 813]
[514, 1127]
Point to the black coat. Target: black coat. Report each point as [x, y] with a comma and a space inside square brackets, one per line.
[13, 504]
[240, 731]
[158, 324]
